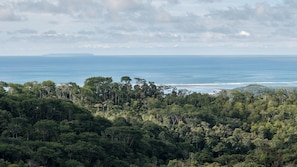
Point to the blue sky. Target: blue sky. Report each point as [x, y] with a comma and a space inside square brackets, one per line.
[148, 27]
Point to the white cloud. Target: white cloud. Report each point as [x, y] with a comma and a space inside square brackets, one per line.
[123, 5]
[97, 24]
[244, 34]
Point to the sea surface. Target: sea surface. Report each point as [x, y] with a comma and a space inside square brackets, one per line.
[204, 74]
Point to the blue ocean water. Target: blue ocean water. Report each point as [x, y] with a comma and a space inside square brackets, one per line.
[196, 73]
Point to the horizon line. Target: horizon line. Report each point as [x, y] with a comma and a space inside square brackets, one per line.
[133, 55]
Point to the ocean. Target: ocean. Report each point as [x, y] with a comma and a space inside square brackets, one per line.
[203, 74]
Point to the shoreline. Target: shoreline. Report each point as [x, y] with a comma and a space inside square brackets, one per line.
[214, 88]
[233, 84]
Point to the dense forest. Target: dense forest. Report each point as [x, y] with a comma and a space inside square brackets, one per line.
[118, 124]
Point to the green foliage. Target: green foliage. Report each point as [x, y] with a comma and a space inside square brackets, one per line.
[105, 123]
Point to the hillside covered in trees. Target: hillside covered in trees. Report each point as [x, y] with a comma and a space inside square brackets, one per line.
[118, 124]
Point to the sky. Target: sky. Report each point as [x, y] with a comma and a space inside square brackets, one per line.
[148, 27]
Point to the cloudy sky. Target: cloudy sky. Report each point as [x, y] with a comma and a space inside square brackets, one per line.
[148, 27]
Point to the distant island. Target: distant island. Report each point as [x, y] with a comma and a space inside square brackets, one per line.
[67, 54]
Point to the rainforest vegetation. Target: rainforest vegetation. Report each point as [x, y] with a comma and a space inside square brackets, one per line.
[118, 124]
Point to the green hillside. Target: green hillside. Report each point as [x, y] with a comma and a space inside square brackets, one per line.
[110, 124]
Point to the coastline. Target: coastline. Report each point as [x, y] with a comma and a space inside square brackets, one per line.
[214, 88]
